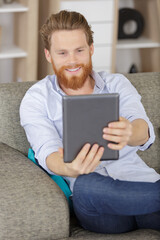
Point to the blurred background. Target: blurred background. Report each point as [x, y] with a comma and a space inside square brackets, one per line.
[126, 36]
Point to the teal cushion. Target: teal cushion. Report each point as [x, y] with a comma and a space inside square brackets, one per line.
[58, 179]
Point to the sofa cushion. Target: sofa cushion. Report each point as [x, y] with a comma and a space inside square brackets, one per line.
[32, 206]
[148, 85]
[11, 132]
[58, 179]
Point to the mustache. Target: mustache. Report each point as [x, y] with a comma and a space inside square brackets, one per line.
[71, 66]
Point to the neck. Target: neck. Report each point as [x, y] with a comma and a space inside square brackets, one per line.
[87, 88]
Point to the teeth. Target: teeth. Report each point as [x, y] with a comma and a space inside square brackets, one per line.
[73, 70]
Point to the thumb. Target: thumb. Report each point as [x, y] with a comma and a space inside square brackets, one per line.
[60, 150]
[121, 118]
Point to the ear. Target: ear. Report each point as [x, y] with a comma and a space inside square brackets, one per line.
[47, 55]
[91, 49]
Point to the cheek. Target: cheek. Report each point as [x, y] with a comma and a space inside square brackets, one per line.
[60, 62]
[89, 56]
[84, 59]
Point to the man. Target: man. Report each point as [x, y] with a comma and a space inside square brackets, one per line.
[109, 196]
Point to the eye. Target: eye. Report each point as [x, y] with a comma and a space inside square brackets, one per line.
[61, 53]
[80, 50]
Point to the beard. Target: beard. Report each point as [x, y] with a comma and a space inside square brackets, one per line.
[73, 82]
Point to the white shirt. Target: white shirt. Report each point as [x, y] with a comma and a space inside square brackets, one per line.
[41, 117]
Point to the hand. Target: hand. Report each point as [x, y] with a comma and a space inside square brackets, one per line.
[119, 132]
[86, 161]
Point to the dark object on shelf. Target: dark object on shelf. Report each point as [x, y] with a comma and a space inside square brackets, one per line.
[8, 1]
[125, 16]
[133, 69]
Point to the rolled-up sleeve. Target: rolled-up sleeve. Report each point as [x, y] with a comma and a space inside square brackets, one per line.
[40, 129]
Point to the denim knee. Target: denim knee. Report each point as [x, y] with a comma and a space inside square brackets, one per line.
[104, 194]
[89, 191]
[91, 183]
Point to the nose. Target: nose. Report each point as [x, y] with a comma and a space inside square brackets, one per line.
[72, 59]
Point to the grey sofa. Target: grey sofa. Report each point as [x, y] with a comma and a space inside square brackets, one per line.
[32, 206]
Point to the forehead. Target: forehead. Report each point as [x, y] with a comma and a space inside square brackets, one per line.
[68, 38]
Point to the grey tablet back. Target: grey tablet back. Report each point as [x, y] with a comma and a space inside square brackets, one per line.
[84, 117]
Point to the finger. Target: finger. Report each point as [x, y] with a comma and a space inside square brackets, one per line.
[120, 124]
[83, 153]
[115, 131]
[97, 159]
[116, 139]
[90, 156]
[92, 163]
[92, 152]
[117, 146]
[95, 150]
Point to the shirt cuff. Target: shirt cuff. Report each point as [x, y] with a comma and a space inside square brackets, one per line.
[44, 152]
[151, 133]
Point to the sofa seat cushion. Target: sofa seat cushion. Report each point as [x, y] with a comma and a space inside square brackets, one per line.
[147, 234]
[78, 233]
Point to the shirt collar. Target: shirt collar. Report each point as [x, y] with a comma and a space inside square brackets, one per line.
[98, 88]
[99, 83]
[58, 88]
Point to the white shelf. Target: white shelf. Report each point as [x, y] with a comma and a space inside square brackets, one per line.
[137, 43]
[11, 52]
[13, 7]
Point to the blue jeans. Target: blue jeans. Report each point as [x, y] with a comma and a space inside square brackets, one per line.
[105, 205]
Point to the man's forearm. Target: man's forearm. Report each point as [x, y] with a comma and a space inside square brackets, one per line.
[140, 133]
[56, 164]
[85, 162]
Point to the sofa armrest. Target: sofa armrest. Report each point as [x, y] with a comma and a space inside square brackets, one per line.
[32, 204]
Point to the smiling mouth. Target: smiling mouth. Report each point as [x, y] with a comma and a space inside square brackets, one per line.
[73, 69]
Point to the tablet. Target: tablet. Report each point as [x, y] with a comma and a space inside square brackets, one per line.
[84, 117]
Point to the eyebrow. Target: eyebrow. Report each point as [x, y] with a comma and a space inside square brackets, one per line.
[81, 47]
[60, 50]
[63, 50]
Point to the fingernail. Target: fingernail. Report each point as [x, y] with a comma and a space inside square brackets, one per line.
[105, 135]
[88, 145]
[102, 149]
[109, 145]
[95, 145]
